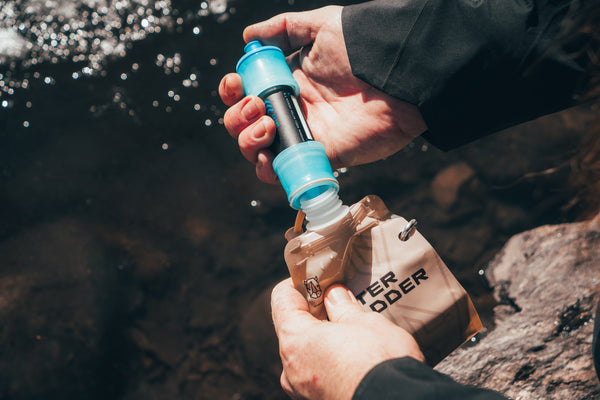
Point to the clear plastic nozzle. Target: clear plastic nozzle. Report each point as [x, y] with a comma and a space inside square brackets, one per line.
[323, 210]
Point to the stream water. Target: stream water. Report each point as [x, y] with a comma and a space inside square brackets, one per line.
[137, 248]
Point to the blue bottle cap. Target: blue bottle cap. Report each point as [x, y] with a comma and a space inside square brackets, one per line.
[304, 172]
[264, 67]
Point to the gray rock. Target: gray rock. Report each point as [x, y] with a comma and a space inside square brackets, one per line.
[547, 284]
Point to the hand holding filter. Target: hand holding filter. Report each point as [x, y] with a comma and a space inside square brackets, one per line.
[301, 163]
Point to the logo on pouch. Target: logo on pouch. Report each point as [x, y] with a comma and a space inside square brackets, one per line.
[313, 288]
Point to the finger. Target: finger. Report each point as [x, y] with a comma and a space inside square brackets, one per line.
[341, 305]
[264, 167]
[231, 89]
[256, 137]
[289, 309]
[242, 114]
[289, 30]
[286, 385]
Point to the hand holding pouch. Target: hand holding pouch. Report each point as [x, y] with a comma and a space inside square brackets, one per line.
[406, 281]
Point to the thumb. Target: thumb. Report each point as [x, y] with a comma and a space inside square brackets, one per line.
[341, 305]
[289, 31]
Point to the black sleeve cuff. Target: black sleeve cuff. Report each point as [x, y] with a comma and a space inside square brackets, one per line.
[472, 67]
[408, 379]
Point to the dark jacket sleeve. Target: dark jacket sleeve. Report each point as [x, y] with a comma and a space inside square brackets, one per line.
[472, 67]
[408, 379]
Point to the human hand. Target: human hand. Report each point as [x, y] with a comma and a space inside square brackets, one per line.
[356, 123]
[328, 359]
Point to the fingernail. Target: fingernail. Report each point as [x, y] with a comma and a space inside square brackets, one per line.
[230, 93]
[339, 295]
[259, 131]
[250, 110]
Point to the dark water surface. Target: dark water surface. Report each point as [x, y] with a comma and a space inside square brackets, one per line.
[137, 248]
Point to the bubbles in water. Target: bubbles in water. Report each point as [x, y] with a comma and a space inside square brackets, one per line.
[340, 171]
[89, 32]
[217, 6]
[169, 64]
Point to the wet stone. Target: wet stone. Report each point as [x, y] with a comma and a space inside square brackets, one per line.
[547, 286]
[447, 183]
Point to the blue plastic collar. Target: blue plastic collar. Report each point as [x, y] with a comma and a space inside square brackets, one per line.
[304, 171]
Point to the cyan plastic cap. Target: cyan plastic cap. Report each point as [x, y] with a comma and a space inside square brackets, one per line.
[264, 67]
[305, 172]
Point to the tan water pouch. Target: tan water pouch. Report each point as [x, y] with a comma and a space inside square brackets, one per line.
[391, 269]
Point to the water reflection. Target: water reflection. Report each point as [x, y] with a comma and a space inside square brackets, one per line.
[90, 34]
[38, 31]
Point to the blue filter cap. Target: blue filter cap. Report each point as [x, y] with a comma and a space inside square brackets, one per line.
[305, 172]
[264, 67]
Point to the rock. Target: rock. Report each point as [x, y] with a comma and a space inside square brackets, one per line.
[447, 183]
[547, 284]
[521, 153]
[58, 295]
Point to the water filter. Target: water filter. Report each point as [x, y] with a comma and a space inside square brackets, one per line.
[300, 162]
